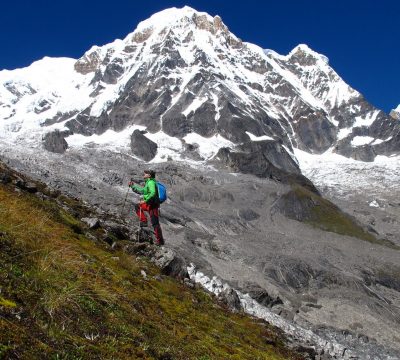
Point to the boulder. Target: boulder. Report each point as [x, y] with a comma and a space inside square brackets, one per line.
[5, 178]
[143, 147]
[170, 263]
[262, 158]
[27, 186]
[55, 141]
[231, 299]
[93, 223]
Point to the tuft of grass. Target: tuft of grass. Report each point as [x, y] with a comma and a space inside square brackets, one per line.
[7, 303]
[67, 297]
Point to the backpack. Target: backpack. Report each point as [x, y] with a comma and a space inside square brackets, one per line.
[162, 192]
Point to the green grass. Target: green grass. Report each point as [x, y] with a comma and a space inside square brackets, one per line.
[66, 297]
[327, 216]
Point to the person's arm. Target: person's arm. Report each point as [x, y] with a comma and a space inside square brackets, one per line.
[136, 188]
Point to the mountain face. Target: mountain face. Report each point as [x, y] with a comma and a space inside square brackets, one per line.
[207, 111]
[181, 75]
[395, 113]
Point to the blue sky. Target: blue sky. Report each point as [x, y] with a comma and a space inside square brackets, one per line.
[361, 38]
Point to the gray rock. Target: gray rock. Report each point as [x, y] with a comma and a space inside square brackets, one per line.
[31, 187]
[113, 71]
[27, 186]
[170, 263]
[93, 223]
[5, 178]
[230, 298]
[262, 296]
[116, 231]
[55, 141]
[143, 147]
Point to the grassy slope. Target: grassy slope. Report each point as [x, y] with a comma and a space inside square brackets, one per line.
[64, 296]
[328, 217]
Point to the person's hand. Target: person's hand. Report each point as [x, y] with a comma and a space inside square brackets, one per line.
[131, 183]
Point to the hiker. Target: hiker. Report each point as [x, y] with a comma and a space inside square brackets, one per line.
[150, 203]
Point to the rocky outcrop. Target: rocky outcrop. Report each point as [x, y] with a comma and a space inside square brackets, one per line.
[166, 259]
[55, 141]
[362, 153]
[92, 223]
[230, 298]
[315, 133]
[265, 158]
[143, 147]
[88, 63]
[395, 114]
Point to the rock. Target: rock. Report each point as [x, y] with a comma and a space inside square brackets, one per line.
[314, 131]
[395, 114]
[230, 298]
[5, 178]
[143, 147]
[113, 178]
[253, 161]
[297, 204]
[166, 259]
[170, 263]
[91, 237]
[175, 124]
[93, 223]
[88, 63]
[248, 214]
[189, 283]
[262, 297]
[41, 196]
[158, 278]
[132, 248]
[116, 231]
[306, 351]
[55, 141]
[113, 71]
[203, 120]
[362, 153]
[31, 187]
[26, 186]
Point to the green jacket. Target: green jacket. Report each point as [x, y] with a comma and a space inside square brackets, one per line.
[149, 190]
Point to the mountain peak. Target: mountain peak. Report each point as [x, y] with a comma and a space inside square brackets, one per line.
[395, 113]
[303, 50]
[183, 72]
[178, 18]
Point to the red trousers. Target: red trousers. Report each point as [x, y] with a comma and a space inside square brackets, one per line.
[153, 211]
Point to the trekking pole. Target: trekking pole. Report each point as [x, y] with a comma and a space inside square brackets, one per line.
[138, 231]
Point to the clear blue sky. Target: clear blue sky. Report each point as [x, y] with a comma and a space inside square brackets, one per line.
[360, 37]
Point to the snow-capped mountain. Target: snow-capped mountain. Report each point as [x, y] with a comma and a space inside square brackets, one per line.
[395, 113]
[190, 83]
[183, 87]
